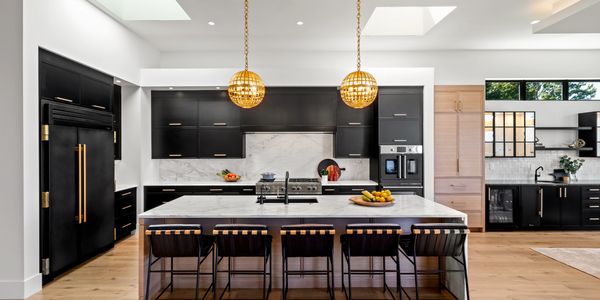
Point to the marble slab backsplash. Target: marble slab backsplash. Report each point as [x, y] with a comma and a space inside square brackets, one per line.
[298, 153]
[524, 168]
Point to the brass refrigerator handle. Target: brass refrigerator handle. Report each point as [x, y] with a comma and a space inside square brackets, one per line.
[84, 183]
[79, 176]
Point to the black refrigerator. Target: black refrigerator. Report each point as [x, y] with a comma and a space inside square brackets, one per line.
[77, 184]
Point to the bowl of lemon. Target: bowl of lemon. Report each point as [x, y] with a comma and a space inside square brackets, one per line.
[374, 198]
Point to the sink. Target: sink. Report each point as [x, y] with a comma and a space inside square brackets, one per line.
[291, 200]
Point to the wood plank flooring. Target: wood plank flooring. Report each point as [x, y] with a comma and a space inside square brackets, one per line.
[502, 266]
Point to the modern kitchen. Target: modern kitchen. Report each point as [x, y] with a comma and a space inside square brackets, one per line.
[261, 149]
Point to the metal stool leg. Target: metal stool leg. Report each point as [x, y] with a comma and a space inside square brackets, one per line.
[229, 274]
[197, 276]
[147, 295]
[416, 277]
[398, 278]
[349, 278]
[464, 256]
[172, 282]
[332, 277]
[384, 279]
[342, 266]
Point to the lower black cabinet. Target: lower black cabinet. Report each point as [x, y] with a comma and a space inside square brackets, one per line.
[530, 205]
[354, 142]
[346, 189]
[125, 213]
[158, 195]
[221, 142]
[174, 142]
[561, 207]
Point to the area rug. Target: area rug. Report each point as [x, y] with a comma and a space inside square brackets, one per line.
[583, 259]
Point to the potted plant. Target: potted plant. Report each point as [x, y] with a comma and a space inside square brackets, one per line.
[571, 165]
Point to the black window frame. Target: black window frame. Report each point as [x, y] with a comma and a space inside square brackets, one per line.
[523, 89]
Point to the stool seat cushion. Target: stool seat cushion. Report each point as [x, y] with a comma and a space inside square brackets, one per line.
[179, 245]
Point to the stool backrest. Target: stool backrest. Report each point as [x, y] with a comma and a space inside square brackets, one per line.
[439, 239]
[307, 240]
[372, 239]
[235, 240]
[175, 240]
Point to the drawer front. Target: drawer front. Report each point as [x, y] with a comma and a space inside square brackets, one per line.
[458, 186]
[590, 205]
[590, 191]
[124, 206]
[474, 219]
[153, 200]
[176, 189]
[124, 226]
[229, 190]
[461, 202]
[346, 190]
[591, 218]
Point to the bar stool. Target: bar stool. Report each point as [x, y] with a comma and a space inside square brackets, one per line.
[435, 240]
[178, 240]
[371, 240]
[242, 240]
[307, 240]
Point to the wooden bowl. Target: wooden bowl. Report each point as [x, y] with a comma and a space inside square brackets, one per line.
[359, 201]
[234, 179]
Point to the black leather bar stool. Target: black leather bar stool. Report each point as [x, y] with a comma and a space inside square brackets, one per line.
[242, 240]
[371, 240]
[435, 240]
[178, 240]
[307, 240]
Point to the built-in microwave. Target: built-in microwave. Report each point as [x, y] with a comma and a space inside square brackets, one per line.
[401, 165]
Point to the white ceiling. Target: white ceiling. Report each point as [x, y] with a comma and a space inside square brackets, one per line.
[329, 25]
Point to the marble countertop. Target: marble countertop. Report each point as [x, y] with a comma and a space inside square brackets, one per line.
[335, 206]
[351, 183]
[532, 182]
[122, 187]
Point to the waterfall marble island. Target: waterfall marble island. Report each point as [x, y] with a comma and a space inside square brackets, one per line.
[330, 209]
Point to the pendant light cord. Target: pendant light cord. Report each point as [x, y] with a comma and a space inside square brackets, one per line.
[246, 34]
[358, 35]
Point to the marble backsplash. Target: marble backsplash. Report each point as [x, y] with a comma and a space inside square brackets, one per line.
[298, 153]
[524, 168]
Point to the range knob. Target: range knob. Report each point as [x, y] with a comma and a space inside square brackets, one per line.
[266, 188]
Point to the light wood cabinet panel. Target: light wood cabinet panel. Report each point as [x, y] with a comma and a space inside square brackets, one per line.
[470, 101]
[470, 144]
[446, 101]
[458, 185]
[446, 148]
[475, 219]
[461, 202]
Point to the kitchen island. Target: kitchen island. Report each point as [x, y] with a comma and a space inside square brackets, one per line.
[336, 210]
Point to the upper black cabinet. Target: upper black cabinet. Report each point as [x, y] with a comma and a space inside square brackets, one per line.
[117, 121]
[215, 109]
[220, 142]
[400, 102]
[174, 109]
[354, 142]
[66, 81]
[293, 109]
[348, 116]
[400, 132]
[174, 142]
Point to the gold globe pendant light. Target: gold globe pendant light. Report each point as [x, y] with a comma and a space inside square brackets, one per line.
[246, 89]
[359, 88]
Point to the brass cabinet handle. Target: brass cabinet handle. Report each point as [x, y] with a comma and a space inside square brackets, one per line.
[175, 124]
[460, 106]
[126, 207]
[79, 183]
[541, 203]
[175, 155]
[400, 141]
[565, 192]
[63, 99]
[165, 202]
[99, 106]
[215, 190]
[458, 166]
[126, 225]
[220, 155]
[560, 192]
[168, 190]
[125, 194]
[220, 124]
[84, 183]
[400, 115]
[594, 219]
[357, 190]
[354, 123]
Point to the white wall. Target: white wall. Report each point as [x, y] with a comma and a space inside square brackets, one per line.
[75, 29]
[451, 67]
[12, 227]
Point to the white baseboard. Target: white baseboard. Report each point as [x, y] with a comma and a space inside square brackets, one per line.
[21, 289]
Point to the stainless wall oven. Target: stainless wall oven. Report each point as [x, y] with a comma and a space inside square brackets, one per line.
[401, 168]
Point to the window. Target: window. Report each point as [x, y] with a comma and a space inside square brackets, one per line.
[509, 134]
[543, 90]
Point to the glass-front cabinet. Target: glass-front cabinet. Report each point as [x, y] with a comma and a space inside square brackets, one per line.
[501, 203]
[509, 134]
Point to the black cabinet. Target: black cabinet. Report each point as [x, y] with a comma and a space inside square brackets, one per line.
[590, 206]
[589, 131]
[174, 109]
[348, 116]
[530, 205]
[117, 121]
[501, 207]
[293, 109]
[125, 213]
[158, 195]
[400, 112]
[354, 142]
[400, 132]
[59, 84]
[215, 109]
[220, 142]
[561, 207]
[174, 142]
[346, 189]
[96, 93]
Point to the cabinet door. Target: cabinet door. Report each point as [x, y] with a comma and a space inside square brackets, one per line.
[220, 142]
[353, 142]
[571, 207]
[470, 101]
[215, 109]
[153, 200]
[500, 207]
[470, 144]
[174, 109]
[348, 116]
[400, 102]
[530, 207]
[551, 206]
[446, 101]
[174, 142]
[59, 84]
[446, 147]
[96, 94]
[400, 132]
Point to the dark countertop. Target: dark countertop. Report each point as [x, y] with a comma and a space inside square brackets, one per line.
[532, 182]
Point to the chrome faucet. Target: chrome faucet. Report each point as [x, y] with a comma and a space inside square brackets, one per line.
[286, 199]
[537, 175]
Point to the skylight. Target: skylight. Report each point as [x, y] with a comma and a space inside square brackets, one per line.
[144, 10]
[390, 21]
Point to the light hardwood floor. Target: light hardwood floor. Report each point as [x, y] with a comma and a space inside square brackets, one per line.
[502, 266]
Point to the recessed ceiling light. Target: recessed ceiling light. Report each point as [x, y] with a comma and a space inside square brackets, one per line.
[118, 81]
[211, 23]
[299, 23]
[535, 22]
[170, 87]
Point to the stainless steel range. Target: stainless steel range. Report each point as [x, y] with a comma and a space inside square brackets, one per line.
[296, 186]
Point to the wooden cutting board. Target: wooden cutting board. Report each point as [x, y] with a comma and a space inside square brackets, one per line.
[359, 201]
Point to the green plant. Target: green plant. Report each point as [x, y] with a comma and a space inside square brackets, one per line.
[570, 165]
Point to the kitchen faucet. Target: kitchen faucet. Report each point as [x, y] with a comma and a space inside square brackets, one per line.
[286, 199]
[537, 175]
